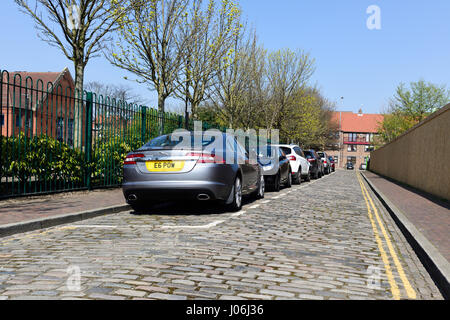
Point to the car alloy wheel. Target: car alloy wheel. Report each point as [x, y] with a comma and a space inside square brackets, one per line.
[262, 188]
[236, 194]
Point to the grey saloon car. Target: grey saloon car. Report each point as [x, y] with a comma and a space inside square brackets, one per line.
[276, 168]
[192, 167]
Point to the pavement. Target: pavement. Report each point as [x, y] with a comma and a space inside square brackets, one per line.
[430, 216]
[38, 207]
[426, 222]
[330, 238]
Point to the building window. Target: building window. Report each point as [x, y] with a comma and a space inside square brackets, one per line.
[29, 119]
[368, 148]
[369, 137]
[352, 137]
[60, 129]
[2, 120]
[352, 148]
[70, 132]
[18, 121]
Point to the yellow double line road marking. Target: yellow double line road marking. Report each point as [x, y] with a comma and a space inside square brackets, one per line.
[394, 288]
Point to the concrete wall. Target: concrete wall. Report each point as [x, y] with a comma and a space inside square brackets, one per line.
[420, 157]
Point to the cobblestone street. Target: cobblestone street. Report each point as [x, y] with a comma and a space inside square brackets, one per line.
[317, 240]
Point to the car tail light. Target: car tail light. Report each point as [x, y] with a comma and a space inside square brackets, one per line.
[311, 160]
[292, 158]
[131, 159]
[206, 157]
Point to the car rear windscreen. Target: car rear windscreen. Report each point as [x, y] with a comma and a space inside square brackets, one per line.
[167, 141]
[308, 154]
[287, 151]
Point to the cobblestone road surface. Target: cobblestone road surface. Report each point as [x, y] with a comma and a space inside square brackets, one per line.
[313, 241]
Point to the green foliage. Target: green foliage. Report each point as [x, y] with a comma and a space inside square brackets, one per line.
[209, 115]
[420, 100]
[110, 152]
[41, 157]
[307, 121]
[409, 106]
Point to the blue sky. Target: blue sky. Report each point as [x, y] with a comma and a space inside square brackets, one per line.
[363, 66]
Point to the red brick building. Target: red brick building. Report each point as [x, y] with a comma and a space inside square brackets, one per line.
[38, 103]
[356, 134]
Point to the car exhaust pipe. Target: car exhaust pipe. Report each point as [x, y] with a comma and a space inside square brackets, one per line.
[132, 197]
[203, 197]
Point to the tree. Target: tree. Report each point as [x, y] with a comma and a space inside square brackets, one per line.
[150, 38]
[393, 125]
[287, 72]
[239, 76]
[209, 32]
[409, 106]
[420, 100]
[307, 121]
[77, 27]
[114, 91]
[209, 114]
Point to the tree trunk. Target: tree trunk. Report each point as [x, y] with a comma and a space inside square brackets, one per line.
[194, 110]
[161, 101]
[186, 113]
[78, 105]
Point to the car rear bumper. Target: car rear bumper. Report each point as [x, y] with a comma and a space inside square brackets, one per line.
[172, 190]
[215, 181]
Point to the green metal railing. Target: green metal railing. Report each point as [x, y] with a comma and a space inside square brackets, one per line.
[54, 138]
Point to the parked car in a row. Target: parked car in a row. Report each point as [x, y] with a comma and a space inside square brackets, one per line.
[316, 164]
[333, 165]
[326, 162]
[276, 167]
[198, 168]
[299, 164]
[162, 171]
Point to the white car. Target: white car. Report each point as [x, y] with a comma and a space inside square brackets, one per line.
[298, 162]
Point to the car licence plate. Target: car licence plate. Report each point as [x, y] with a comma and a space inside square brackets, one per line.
[161, 166]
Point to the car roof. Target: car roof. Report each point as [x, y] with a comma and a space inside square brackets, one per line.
[286, 145]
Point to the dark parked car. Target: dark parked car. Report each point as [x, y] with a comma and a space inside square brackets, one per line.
[333, 165]
[350, 166]
[316, 168]
[276, 168]
[170, 168]
[326, 162]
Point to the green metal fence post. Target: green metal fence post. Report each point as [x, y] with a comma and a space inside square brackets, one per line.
[88, 137]
[143, 123]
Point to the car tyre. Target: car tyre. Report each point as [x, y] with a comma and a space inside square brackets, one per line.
[259, 194]
[277, 182]
[289, 179]
[296, 178]
[308, 177]
[235, 196]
